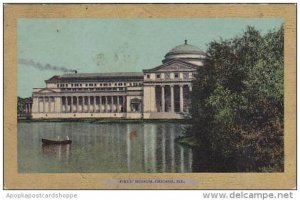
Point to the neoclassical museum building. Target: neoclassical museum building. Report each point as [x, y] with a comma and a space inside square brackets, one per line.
[162, 92]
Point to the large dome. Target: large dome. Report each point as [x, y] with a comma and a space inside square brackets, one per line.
[186, 52]
[185, 48]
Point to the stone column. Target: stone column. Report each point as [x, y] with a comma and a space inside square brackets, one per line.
[89, 104]
[40, 106]
[172, 97]
[163, 98]
[49, 104]
[61, 104]
[122, 105]
[112, 103]
[63, 108]
[105, 106]
[100, 103]
[71, 106]
[66, 104]
[66, 99]
[82, 104]
[38, 103]
[94, 104]
[181, 97]
[71, 101]
[128, 109]
[77, 103]
[52, 104]
[44, 105]
[118, 103]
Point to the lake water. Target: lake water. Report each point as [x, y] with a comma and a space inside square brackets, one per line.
[105, 147]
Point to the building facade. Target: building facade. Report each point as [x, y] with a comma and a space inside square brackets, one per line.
[162, 92]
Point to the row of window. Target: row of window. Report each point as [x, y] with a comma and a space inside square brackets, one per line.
[167, 75]
[93, 89]
[85, 100]
[64, 85]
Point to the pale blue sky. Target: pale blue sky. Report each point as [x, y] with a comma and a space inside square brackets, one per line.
[113, 45]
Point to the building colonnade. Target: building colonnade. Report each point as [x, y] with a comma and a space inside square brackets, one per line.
[81, 104]
[168, 96]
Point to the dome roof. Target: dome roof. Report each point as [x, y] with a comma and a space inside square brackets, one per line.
[185, 49]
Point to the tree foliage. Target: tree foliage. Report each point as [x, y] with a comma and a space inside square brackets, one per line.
[237, 102]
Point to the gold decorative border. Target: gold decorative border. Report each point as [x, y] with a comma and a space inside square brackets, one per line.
[14, 180]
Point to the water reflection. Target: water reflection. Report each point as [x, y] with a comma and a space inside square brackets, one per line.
[61, 152]
[115, 147]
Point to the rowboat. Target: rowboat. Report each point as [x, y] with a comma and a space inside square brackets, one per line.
[46, 141]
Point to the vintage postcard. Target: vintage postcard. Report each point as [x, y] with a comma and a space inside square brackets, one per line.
[149, 96]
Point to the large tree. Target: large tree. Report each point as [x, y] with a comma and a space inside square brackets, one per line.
[237, 102]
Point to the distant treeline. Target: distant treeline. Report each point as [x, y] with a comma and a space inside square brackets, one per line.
[237, 103]
[21, 104]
